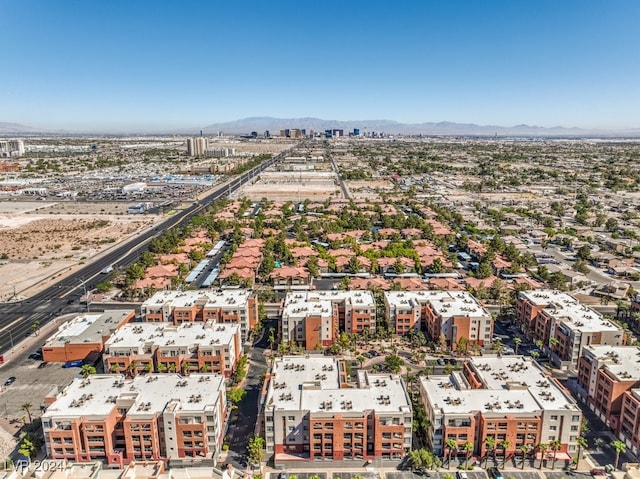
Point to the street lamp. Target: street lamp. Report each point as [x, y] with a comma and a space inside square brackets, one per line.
[84, 290]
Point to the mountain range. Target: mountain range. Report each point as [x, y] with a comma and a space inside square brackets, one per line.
[274, 125]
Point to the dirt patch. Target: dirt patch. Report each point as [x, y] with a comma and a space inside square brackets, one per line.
[46, 243]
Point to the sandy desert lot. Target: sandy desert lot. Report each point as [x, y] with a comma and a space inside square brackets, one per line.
[293, 186]
[40, 241]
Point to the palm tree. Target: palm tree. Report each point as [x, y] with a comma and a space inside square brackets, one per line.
[539, 344]
[25, 407]
[516, 342]
[553, 342]
[87, 370]
[543, 449]
[619, 446]
[490, 442]
[535, 354]
[504, 445]
[555, 446]
[272, 337]
[524, 449]
[582, 444]
[450, 444]
[468, 449]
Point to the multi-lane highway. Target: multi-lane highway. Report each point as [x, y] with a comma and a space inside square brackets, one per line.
[17, 319]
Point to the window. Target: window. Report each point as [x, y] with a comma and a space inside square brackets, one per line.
[291, 418]
[554, 418]
[575, 418]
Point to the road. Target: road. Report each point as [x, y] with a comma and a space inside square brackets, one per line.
[18, 318]
[343, 187]
[244, 419]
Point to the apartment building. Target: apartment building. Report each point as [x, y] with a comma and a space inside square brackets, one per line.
[165, 347]
[84, 335]
[630, 420]
[311, 411]
[564, 325]
[154, 417]
[11, 148]
[509, 398]
[197, 146]
[238, 306]
[446, 316]
[316, 318]
[605, 374]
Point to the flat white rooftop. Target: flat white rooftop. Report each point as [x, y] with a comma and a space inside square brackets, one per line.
[211, 299]
[570, 311]
[513, 384]
[87, 328]
[136, 335]
[622, 362]
[444, 303]
[312, 383]
[320, 303]
[144, 395]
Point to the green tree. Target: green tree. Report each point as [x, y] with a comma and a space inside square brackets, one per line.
[582, 444]
[484, 270]
[467, 447]
[543, 450]
[26, 407]
[451, 445]
[620, 447]
[437, 267]
[611, 224]
[255, 450]
[394, 362]
[584, 252]
[504, 445]
[27, 447]
[87, 370]
[555, 446]
[516, 342]
[104, 286]
[236, 395]
[490, 443]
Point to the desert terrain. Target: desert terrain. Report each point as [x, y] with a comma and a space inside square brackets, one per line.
[40, 241]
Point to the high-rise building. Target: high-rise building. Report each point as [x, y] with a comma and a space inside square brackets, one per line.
[9, 148]
[197, 146]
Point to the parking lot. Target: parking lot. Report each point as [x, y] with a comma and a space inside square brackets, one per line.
[437, 475]
[31, 385]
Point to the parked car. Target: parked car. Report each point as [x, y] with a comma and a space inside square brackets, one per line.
[598, 472]
[73, 364]
[10, 381]
[462, 475]
[35, 356]
[43, 364]
[283, 475]
[494, 473]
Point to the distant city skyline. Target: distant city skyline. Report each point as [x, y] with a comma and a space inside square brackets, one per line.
[151, 66]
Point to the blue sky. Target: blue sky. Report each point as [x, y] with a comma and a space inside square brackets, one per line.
[119, 64]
